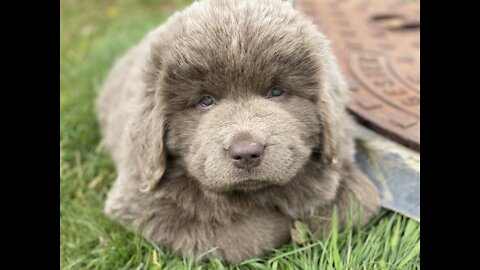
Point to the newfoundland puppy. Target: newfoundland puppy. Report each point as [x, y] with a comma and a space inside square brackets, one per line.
[226, 124]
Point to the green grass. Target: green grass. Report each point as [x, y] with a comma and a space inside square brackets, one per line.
[93, 34]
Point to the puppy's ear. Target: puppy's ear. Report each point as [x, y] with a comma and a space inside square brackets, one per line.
[147, 129]
[147, 150]
[327, 145]
[332, 99]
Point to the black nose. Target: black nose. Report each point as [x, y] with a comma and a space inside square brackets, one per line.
[246, 155]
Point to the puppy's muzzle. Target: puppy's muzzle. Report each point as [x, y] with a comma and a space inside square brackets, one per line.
[246, 154]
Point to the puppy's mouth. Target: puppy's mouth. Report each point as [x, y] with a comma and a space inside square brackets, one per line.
[251, 185]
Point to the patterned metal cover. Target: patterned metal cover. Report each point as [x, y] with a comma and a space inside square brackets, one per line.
[377, 43]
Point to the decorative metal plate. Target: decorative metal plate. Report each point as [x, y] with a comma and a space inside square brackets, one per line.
[377, 43]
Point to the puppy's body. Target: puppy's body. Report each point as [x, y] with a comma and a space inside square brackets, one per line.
[177, 182]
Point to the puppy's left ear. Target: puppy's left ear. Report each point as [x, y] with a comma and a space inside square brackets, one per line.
[327, 145]
[332, 100]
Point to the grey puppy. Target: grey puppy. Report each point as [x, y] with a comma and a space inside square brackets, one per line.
[226, 124]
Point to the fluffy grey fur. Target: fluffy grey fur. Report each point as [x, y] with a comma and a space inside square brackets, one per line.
[176, 184]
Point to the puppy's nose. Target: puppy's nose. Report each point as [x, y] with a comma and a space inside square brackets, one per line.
[246, 155]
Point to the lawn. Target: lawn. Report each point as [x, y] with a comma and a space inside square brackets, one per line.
[93, 33]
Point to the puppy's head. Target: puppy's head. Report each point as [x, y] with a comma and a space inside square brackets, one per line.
[239, 95]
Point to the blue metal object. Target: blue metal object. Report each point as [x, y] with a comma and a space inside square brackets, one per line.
[394, 169]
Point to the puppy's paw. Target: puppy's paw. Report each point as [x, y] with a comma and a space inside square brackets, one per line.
[357, 201]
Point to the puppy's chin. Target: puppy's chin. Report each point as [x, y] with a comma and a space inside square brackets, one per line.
[252, 185]
[249, 185]
[239, 180]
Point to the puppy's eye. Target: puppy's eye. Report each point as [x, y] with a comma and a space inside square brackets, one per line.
[276, 92]
[207, 101]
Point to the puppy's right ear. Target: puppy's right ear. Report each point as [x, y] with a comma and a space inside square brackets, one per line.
[147, 129]
[147, 150]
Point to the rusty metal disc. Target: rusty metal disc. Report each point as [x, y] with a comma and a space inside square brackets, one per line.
[377, 44]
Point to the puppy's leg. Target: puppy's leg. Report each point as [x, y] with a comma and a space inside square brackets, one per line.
[191, 232]
[231, 240]
[253, 235]
[355, 193]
